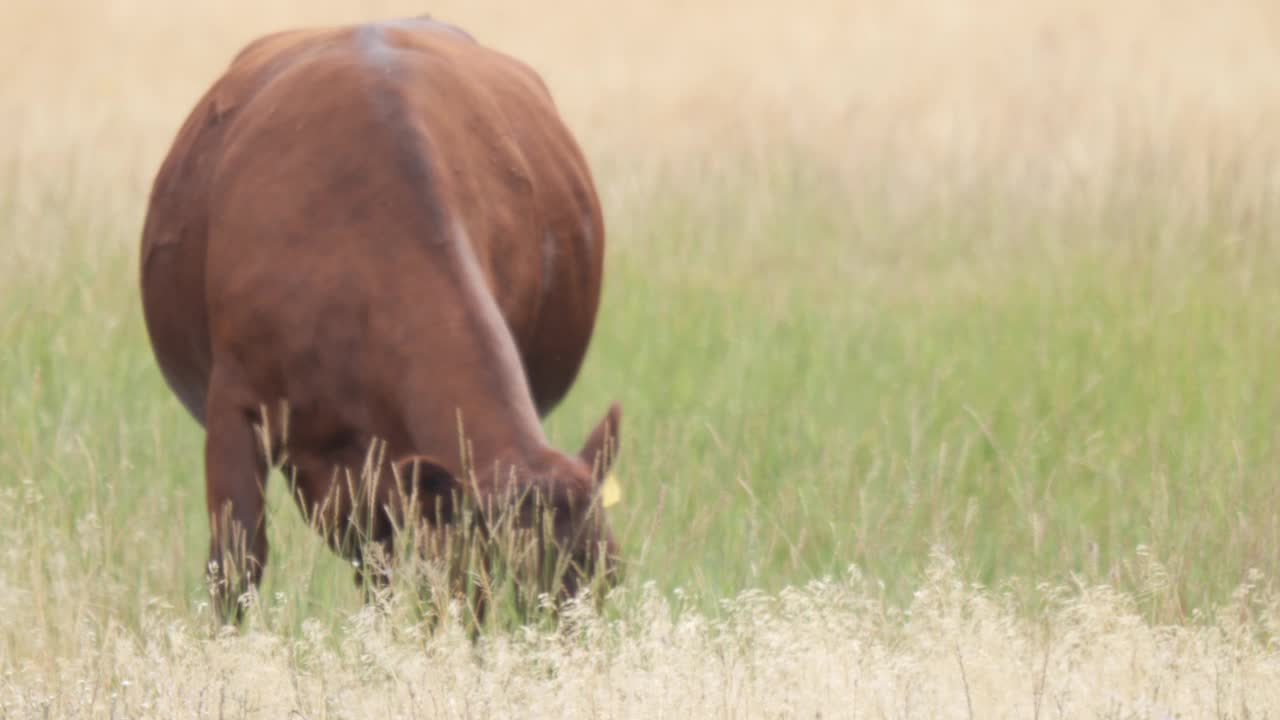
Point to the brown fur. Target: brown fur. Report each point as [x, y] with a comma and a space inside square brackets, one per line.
[380, 228]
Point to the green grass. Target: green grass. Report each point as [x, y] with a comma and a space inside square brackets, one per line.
[814, 374]
[1074, 390]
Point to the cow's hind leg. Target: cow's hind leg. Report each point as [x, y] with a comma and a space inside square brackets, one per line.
[235, 480]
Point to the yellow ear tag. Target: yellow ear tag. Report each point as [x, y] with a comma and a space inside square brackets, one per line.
[610, 491]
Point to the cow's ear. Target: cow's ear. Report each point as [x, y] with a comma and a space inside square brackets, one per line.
[601, 447]
[426, 474]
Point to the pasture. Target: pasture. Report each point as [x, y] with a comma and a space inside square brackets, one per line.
[945, 333]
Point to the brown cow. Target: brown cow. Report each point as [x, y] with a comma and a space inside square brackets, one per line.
[387, 230]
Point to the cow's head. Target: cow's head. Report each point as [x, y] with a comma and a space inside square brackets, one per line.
[574, 485]
[559, 496]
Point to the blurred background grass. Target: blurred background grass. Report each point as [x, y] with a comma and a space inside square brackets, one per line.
[997, 276]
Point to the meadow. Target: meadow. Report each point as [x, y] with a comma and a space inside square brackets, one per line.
[945, 333]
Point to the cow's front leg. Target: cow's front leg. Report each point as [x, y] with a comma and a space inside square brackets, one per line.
[235, 481]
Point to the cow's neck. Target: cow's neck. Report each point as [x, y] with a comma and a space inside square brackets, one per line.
[471, 380]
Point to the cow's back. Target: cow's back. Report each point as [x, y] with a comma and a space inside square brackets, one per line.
[499, 161]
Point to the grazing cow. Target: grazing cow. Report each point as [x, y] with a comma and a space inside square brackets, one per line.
[379, 233]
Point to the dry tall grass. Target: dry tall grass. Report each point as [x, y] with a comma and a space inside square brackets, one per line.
[942, 90]
[829, 649]
[1057, 106]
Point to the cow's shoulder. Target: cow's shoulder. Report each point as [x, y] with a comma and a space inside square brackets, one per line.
[266, 57]
[179, 193]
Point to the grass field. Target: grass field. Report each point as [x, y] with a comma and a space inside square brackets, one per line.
[981, 300]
